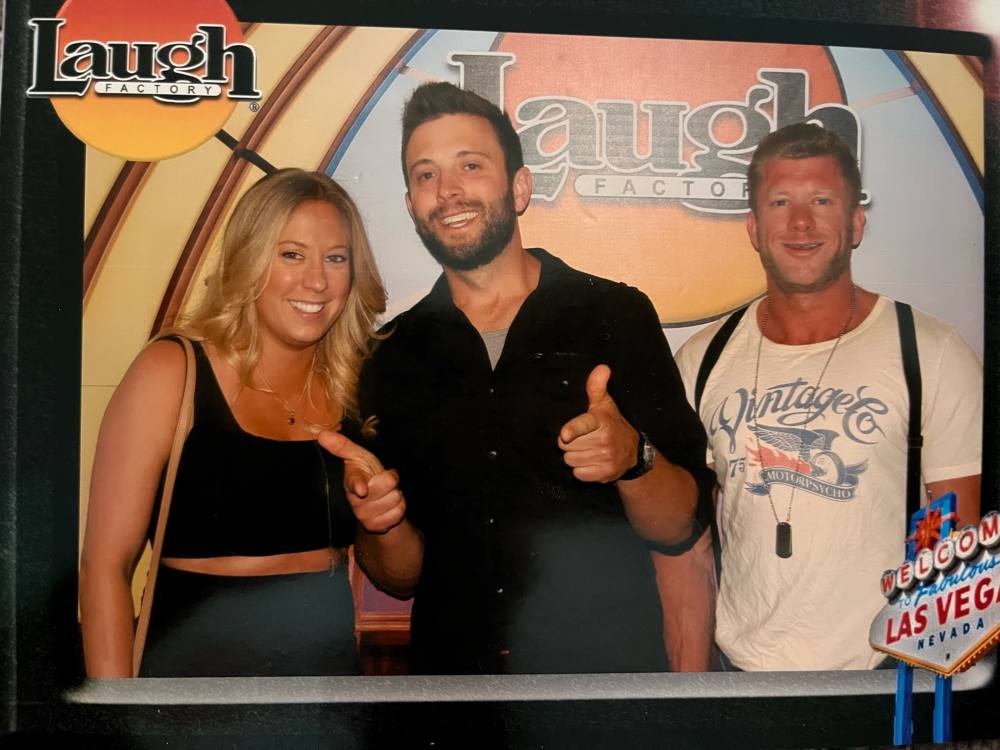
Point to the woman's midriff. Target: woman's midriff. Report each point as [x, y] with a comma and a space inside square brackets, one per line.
[310, 561]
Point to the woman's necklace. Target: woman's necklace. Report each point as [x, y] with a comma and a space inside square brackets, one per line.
[783, 529]
[292, 410]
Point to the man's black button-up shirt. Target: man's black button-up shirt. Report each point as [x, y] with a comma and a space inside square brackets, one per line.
[526, 568]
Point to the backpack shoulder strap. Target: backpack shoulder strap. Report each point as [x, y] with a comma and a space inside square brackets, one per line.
[711, 356]
[715, 347]
[914, 387]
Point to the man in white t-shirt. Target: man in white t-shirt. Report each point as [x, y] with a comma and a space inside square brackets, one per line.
[806, 411]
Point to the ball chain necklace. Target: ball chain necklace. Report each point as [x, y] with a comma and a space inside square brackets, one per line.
[783, 529]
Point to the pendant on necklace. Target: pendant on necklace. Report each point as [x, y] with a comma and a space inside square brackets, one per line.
[783, 539]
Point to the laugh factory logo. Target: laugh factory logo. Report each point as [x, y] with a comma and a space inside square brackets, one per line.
[143, 80]
[655, 149]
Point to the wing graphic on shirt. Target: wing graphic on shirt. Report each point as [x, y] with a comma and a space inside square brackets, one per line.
[803, 458]
[796, 440]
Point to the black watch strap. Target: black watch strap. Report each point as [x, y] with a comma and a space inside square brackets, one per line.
[645, 454]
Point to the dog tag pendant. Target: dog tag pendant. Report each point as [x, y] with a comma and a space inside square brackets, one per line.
[783, 539]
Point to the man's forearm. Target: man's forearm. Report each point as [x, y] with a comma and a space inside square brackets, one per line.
[687, 592]
[661, 504]
[392, 560]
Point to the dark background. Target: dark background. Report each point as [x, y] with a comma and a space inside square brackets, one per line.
[40, 316]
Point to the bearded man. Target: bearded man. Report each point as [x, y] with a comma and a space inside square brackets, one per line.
[537, 422]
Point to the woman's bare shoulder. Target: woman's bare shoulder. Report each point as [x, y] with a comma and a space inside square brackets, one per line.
[157, 373]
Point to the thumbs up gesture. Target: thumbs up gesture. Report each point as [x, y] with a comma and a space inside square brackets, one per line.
[599, 445]
[372, 491]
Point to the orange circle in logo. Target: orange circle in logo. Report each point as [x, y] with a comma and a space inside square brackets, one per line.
[157, 84]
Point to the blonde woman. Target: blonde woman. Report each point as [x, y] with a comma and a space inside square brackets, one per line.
[253, 579]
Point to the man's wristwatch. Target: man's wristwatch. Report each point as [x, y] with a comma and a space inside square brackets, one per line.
[645, 454]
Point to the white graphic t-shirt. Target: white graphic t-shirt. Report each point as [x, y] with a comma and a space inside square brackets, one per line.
[833, 464]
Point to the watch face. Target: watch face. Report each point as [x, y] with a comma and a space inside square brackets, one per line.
[648, 454]
[645, 454]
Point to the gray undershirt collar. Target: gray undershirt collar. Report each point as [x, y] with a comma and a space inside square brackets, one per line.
[494, 341]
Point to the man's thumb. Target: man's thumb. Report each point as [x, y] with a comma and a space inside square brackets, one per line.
[597, 385]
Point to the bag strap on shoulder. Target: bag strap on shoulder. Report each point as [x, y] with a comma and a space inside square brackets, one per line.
[715, 347]
[711, 356]
[914, 387]
[184, 418]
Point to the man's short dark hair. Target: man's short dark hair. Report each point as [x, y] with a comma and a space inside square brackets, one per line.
[799, 141]
[433, 100]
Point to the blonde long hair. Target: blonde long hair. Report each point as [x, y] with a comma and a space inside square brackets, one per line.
[227, 314]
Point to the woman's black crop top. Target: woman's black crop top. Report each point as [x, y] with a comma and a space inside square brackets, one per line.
[240, 494]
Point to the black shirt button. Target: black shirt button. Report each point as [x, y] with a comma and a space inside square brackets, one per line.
[492, 390]
[500, 590]
[492, 454]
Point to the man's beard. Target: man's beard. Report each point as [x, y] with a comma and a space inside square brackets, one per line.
[499, 223]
